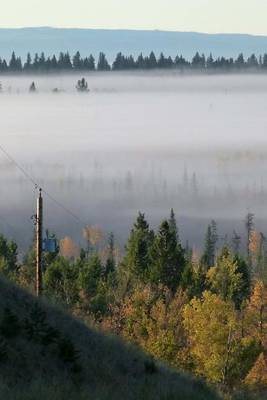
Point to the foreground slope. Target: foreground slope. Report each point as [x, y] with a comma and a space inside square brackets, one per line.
[46, 354]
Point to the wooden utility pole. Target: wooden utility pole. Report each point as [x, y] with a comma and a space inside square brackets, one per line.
[39, 243]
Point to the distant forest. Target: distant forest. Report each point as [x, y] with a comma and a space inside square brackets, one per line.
[64, 62]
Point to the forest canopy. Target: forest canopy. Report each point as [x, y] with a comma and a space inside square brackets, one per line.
[40, 63]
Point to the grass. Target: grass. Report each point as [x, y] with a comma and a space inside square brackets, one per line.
[47, 354]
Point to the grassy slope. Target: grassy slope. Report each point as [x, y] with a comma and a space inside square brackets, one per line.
[46, 354]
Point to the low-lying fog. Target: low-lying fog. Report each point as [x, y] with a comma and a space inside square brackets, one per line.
[135, 142]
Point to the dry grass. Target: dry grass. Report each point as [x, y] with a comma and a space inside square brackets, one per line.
[47, 354]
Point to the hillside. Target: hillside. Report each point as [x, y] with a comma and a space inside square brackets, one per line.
[52, 40]
[46, 354]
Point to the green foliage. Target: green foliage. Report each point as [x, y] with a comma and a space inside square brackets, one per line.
[224, 278]
[42, 64]
[60, 280]
[8, 257]
[66, 351]
[90, 275]
[110, 263]
[205, 315]
[211, 325]
[103, 64]
[80, 363]
[9, 326]
[167, 258]
[208, 258]
[150, 366]
[137, 259]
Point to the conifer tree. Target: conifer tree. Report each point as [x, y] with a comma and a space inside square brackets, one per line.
[103, 64]
[225, 278]
[167, 258]
[28, 63]
[173, 224]
[110, 263]
[32, 88]
[249, 223]
[208, 258]
[137, 259]
[82, 86]
[77, 62]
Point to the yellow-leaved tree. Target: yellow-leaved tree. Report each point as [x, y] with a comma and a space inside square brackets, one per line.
[257, 376]
[218, 351]
[256, 313]
[153, 319]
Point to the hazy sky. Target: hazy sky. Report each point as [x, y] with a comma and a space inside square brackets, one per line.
[243, 16]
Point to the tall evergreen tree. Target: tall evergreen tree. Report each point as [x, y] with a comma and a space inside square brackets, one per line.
[208, 258]
[110, 263]
[167, 258]
[77, 62]
[103, 64]
[137, 259]
[249, 223]
[28, 63]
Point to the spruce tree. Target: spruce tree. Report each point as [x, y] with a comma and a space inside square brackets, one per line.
[77, 62]
[208, 258]
[173, 224]
[28, 63]
[82, 86]
[167, 258]
[137, 258]
[103, 64]
[110, 263]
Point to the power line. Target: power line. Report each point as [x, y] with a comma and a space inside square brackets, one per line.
[63, 207]
[36, 185]
[25, 173]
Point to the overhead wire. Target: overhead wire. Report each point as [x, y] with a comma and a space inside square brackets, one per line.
[38, 186]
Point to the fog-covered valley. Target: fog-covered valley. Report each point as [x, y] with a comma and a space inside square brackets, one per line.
[134, 142]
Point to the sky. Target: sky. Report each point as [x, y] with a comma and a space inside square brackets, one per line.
[211, 16]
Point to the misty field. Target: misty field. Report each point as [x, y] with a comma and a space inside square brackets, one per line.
[135, 142]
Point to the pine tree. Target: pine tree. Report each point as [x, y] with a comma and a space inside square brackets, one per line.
[28, 63]
[15, 64]
[32, 88]
[90, 276]
[82, 86]
[77, 62]
[140, 64]
[167, 258]
[208, 258]
[119, 63]
[152, 60]
[103, 64]
[110, 263]
[225, 278]
[210, 62]
[236, 239]
[137, 259]
[240, 62]
[173, 224]
[249, 223]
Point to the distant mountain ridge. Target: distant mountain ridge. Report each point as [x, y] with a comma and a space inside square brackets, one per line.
[54, 40]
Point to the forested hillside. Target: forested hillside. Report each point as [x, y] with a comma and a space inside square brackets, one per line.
[200, 313]
[46, 354]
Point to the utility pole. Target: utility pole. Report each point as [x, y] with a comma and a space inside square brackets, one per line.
[39, 243]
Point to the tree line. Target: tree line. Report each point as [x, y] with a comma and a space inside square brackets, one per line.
[64, 62]
[204, 312]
